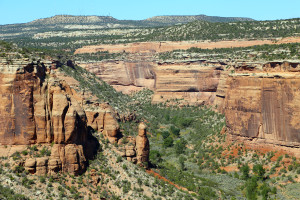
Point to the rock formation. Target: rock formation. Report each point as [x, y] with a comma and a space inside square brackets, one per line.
[142, 145]
[195, 83]
[103, 118]
[36, 108]
[136, 149]
[124, 76]
[264, 104]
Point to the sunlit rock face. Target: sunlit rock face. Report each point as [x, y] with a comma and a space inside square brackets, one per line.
[265, 104]
[37, 108]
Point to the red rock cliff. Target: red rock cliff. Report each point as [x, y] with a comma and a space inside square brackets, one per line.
[124, 76]
[265, 104]
[195, 83]
[37, 108]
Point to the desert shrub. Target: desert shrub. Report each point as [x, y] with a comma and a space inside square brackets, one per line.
[265, 190]
[168, 142]
[19, 169]
[165, 134]
[259, 171]
[42, 179]
[180, 146]
[245, 169]
[119, 159]
[175, 131]
[155, 157]
[251, 188]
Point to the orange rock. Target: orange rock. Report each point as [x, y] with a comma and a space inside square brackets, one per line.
[142, 145]
[265, 104]
[36, 108]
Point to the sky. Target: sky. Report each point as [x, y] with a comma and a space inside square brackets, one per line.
[21, 11]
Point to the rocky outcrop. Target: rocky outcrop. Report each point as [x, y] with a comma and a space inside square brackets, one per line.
[193, 83]
[101, 116]
[135, 149]
[264, 104]
[37, 108]
[142, 145]
[124, 76]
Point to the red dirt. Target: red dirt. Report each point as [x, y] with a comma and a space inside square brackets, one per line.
[230, 168]
[150, 171]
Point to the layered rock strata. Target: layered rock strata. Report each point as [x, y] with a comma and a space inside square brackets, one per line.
[265, 104]
[192, 83]
[103, 118]
[124, 76]
[36, 108]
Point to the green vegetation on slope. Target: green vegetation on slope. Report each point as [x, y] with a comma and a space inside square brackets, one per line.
[187, 147]
[260, 52]
[60, 38]
[8, 194]
[200, 30]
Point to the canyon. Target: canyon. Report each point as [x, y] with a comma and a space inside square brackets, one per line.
[98, 108]
[259, 99]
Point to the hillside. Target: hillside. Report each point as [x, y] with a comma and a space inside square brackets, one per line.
[175, 19]
[70, 19]
[72, 36]
[201, 30]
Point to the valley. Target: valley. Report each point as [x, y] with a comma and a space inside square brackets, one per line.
[116, 109]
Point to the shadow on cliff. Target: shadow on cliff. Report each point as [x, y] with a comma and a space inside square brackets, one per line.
[92, 146]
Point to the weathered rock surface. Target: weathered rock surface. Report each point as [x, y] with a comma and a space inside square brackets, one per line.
[142, 145]
[265, 103]
[36, 108]
[195, 83]
[125, 76]
[135, 149]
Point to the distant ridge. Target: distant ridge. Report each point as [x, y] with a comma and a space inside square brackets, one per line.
[153, 21]
[189, 18]
[72, 19]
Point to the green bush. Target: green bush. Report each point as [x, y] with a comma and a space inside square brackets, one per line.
[175, 131]
[165, 134]
[180, 146]
[155, 157]
[245, 169]
[251, 188]
[259, 171]
[168, 142]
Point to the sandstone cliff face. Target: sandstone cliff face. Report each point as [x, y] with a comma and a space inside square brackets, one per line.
[265, 104]
[103, 118]
[196, 83]
[125, 76]
[36, 108]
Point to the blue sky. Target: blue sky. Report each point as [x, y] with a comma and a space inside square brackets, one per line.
[20, 11]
